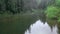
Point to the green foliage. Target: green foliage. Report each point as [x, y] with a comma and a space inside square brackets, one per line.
[59, 19]
[14, 6]
[52, 11]
[58, 3]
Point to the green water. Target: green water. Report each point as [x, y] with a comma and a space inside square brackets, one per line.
[20, 24]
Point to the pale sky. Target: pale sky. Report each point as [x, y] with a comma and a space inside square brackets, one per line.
[40, 28]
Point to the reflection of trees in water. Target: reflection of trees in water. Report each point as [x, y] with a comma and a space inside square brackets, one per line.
[16, 25]
[53, 23]
[42, 17]
[58, 28]
[26, 22]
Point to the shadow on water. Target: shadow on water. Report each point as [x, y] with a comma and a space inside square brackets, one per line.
[28, 24]
[16, 24]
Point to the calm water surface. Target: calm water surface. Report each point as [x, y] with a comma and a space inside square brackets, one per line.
[28, 24]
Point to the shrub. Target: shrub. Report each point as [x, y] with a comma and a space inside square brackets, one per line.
[51, 12]
[58, 3]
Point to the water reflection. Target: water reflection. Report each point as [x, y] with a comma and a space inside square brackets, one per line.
[40, 28]
[16, 25]
[28, 24]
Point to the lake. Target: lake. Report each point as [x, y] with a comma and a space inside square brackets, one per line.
[28, 24]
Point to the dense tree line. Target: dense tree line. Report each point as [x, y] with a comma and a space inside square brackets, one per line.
[13, 6]
[18, 6]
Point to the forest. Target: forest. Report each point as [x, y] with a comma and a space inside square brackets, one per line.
[18, 6]
[19, 16]
[51, 8]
